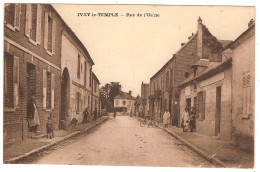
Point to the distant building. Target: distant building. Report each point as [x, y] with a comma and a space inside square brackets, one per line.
[126, 101]
[243, 87]
[95, 95]
[145, 88]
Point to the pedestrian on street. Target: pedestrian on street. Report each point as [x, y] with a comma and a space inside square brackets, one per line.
[131, 113]
[114, 114]
[85, 112]
[95, 114]
[32, 115]
[49, 128]
[166, 118]
[193, 120]
[185, 120]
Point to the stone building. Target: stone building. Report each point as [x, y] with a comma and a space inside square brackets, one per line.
[126, 101]
[243, 87]
[208, 90]
[32, 66]
[95, 99]
[76, 70]
[144, 98]
[164, 93]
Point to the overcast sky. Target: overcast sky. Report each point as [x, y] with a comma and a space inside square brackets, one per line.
[130, 50]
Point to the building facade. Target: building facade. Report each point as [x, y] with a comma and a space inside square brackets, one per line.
[243, 88]
[32, 64]
[145, 88]
[76, 65]
[96, 104]
[126, 101]
[164, 92]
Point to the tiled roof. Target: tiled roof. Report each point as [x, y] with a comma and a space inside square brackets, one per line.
[123, 95]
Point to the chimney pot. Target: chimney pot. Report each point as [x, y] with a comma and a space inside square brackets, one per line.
[130, 92]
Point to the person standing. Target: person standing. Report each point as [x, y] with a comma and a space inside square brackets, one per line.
[185, 120]
[85, 112]
[95, 115]
[166, 118]
[32, 115]
[193, 120]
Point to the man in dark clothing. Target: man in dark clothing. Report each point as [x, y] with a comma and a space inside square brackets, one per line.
[95, 114]
[85, 112]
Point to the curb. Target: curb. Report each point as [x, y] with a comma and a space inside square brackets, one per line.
[45, 147]
[210, 158]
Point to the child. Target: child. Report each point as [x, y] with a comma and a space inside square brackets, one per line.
[49, 128]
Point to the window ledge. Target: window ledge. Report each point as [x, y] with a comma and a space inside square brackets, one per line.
[32, 41]
[245, 116]
[48, 52]
[6, 109]
[10, 27]
[48, 110]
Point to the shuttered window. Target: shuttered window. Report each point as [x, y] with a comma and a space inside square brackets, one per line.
[85, 74]
[78, 69]
[202, 104]
[48, 90]
[246, 95]
[77, 101]
[49, 34]
[33, 23]
[11, 81]
[12, 16]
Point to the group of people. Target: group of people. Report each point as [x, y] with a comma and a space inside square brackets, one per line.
[188, 122]
[34, 122]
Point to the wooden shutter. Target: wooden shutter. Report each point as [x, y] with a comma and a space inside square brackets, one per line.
[39, 22]
[53, 36]
[204, 104]
[52, 90]
[16, 80]
[17, 16]
[44, 90]
[46, 31]
[28, 20]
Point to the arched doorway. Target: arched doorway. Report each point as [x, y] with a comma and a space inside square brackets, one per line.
[65, 97]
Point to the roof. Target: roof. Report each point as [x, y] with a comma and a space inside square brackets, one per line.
[235, 43]
[124, 95]
[95, 77]
[71, 33]
[224, 43]
[212, 68]
[202, 62]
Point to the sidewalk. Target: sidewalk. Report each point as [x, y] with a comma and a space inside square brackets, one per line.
[20, 150]
[219, 152]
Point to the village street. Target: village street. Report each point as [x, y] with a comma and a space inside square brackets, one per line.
[122, 142]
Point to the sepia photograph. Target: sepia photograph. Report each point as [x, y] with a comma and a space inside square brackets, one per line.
[129, 85]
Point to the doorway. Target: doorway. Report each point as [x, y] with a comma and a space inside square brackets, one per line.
[218, 111]
[65, 96]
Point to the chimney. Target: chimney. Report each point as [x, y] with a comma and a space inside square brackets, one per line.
[199, 39]
[251, 22]
[130, 92]
[182, 44]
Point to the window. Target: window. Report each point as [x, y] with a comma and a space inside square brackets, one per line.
[202, 104]
[77, 101]
[85, 74]
[246, 95]
[12, 16]
[11, 80]
[123, 102]
[95, 86]
[90, 72]
[33, 23]
[48, 90]
[171, 77]
[49, 34]
[78, 71]
[167, 79]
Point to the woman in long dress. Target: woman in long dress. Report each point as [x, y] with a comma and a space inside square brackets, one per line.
[32, 115]
[166, 118]
[185, 120]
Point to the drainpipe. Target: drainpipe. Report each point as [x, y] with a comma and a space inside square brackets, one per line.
[91, 108]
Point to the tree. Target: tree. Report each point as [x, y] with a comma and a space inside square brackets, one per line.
[108, 93]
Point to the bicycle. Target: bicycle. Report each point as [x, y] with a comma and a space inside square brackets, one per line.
[151, 122]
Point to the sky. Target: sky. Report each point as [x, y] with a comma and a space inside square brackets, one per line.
[130, 50]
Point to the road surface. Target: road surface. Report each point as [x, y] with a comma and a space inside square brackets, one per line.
[122, 142]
